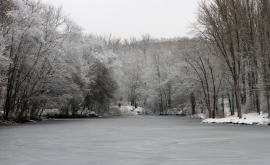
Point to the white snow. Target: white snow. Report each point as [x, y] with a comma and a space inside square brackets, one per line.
[127, 111]
[131, 110]
[139, 110]
[179, 112]
[251, 119]
[198, 116]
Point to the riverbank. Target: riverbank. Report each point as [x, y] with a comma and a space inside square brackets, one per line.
[248, 119]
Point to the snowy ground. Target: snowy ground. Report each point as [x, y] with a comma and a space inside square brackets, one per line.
[132, 140]
[130, 110]
[251, 119]
[122, 111]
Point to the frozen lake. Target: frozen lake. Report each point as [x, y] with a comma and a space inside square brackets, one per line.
[142, 140]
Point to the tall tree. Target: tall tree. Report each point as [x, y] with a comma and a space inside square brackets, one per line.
[220, 24]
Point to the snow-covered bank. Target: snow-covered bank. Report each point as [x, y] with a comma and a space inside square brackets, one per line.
[6, 122]
[126, 111]
[250, 119]
[198, 116]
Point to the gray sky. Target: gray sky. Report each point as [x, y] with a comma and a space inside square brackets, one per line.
[125, 18]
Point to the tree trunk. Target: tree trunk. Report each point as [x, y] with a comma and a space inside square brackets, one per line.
[268, 103]
[209, 108]
[238, 99]
[233, 100]
[230, 104]
[244, 92]
[257, 98]
[193, 103]
[223, 107]
[169, 96]
[161, 110]
[217, 107]
[214, 107]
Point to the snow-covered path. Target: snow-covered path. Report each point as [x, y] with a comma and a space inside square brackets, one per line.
[153, 140]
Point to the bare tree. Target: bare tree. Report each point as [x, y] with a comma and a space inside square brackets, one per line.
[219, 20]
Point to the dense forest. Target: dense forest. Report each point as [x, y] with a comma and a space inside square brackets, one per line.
[47, 62]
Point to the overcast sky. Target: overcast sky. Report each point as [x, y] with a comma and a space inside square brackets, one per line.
[125, 18]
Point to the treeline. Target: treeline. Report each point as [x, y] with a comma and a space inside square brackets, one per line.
[152, 72]
[238, 31]
[169, 75]
[227, 62]
[47, 62]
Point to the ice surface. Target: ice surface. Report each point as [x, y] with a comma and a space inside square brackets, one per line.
[147, 140]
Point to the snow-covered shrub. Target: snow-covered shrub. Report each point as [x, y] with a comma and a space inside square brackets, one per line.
[114, 111]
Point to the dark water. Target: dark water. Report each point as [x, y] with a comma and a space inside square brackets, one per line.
[143, 140]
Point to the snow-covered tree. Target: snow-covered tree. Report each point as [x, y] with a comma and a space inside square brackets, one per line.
[51, 61]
